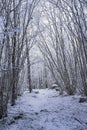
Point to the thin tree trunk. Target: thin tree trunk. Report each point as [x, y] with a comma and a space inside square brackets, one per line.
[29, 70]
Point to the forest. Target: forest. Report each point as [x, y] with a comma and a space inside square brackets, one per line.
[43, 53]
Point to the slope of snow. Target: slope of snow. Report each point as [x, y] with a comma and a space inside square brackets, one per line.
[47, 110]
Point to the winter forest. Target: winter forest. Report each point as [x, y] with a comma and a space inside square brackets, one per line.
[43, 64]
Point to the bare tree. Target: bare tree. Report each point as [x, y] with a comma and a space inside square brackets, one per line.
[63, 25]
[13, 47]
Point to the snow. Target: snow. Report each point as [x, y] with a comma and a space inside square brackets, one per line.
[47, 110]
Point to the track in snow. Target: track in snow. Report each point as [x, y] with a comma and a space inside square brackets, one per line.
[47, 110]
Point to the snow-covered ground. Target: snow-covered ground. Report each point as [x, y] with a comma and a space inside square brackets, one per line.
[47, 110]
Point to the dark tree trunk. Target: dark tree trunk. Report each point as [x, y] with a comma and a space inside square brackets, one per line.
[1, 104]
[14, 87]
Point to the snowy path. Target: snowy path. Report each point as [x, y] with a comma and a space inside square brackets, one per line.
[47, 110]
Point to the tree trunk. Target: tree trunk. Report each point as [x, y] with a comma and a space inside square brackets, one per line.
[29, 70]
[1, 103]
